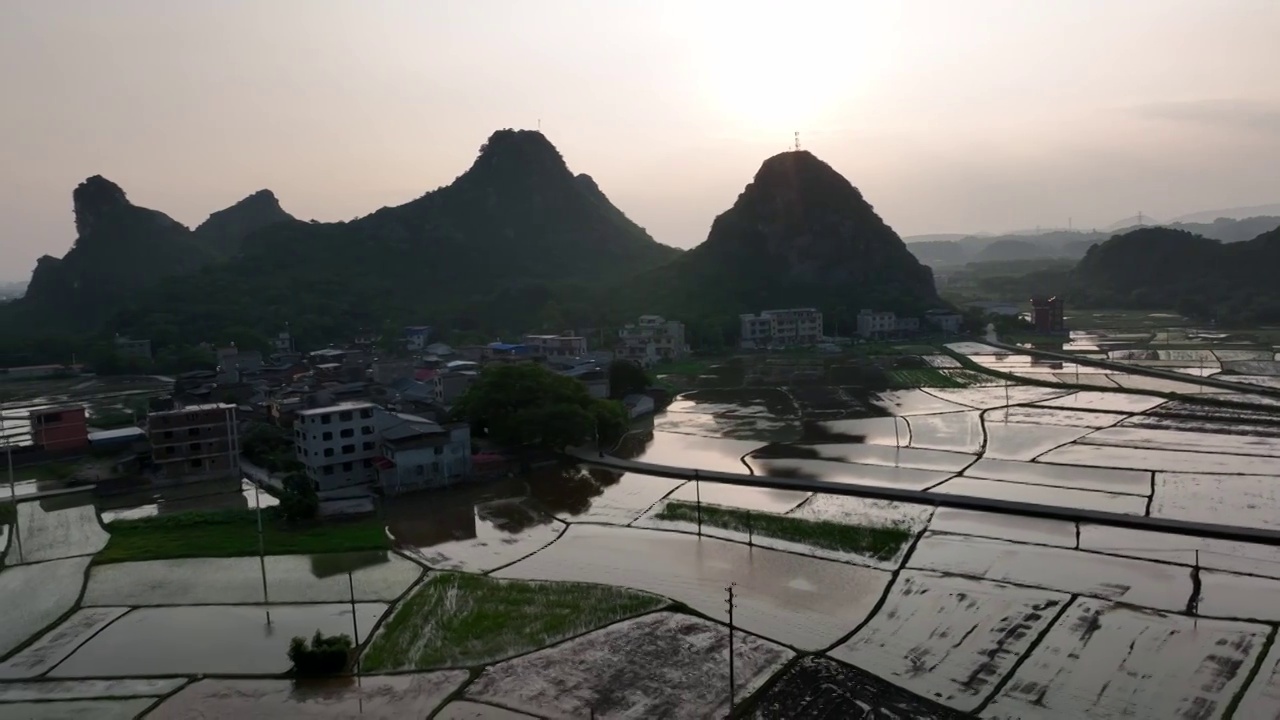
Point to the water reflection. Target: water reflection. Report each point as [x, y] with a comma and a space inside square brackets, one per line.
[225, 494]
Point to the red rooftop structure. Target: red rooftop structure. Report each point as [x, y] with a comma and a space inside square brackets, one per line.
[59, 429]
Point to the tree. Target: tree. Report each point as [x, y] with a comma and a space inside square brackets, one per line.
[626, 378]
[526, 404]
[325, 655]
[298, 499]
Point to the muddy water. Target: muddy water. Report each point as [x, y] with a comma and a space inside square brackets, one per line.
[33, 596]
[209, 639]
[1016, 441]
[47, 532]
[798, 600]
[374, 576]
[370, 697]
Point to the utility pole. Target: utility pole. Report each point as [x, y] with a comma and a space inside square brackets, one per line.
[697, 494]
[13, 492]
[729, 602]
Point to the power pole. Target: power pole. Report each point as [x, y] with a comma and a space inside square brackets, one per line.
[797, 141]
[729, 601]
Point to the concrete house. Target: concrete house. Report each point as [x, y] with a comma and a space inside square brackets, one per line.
[652, 339]
[193, 443]
[792, 327]
[418, 454]
[337, 445]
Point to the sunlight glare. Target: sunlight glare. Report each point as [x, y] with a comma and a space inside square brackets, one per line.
[774, 71]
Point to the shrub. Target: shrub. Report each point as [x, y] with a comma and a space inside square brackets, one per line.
[324, 656]
[298, 498]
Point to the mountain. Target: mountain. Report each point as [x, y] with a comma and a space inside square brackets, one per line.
[226, 229]
[1162, 268]
[476, 252]
[120, 248]
[1239, 213]
[1069, 244]
[799, 235]
[934, 237]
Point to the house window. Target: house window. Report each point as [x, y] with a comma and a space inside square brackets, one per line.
[192, 432]
[196, 464]
[439, 450]
[347, 432]
[366, 445]
[348, 449]
[344, 416]
[328, 452]
[417, 470]
[368, 462]
[366, 430]
[328, 469]
[167, 434]
[326, 436]
[326, 419]
[194, 447]
[366, 413]
[346, 467]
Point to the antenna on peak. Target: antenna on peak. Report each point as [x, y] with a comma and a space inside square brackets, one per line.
[797, 140]
[539, 124]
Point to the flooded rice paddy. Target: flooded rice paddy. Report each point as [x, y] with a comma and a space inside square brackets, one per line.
[989, 614]
[385, 697]
[660, 665]
[801, 601]
[374, 576]
[210, 639]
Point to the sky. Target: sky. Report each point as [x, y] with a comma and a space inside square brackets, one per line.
[983, 115]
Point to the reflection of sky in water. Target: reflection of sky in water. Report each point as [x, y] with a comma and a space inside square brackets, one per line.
[209, 495]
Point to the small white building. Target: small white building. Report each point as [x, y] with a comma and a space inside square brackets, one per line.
[873, 324]
[948, 321]
[418, 454]
[651, 339]
[416, 337]
[338, 444]
[565, 345]
[796, 326]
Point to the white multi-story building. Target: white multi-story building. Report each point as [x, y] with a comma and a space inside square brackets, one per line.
[796, 326]
[651, 339]
[566, 345]
[355, 445]
[872, 324]
[338, 445]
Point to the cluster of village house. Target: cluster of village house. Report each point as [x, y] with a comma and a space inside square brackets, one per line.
[360, 421]
[802, 327]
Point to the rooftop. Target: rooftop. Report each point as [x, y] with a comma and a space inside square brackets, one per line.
[196, 408]
[336, 408]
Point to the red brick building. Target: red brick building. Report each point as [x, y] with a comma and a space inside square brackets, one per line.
[59, 429]
[1046, 315]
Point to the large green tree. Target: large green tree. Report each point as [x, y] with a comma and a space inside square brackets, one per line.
[526, 404]
[626, 378]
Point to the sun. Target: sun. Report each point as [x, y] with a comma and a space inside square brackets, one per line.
[773, 72]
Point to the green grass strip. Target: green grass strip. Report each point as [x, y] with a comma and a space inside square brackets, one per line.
[234, 533]
[455, 620]
[881, 543]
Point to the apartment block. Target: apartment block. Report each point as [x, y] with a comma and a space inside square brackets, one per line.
[565, 345]
[795, 326]
[651, 339]
[338, 444]
[196, 442]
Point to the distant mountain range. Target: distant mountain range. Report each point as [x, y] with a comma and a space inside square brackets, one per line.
[517, 242]
[1065, 244]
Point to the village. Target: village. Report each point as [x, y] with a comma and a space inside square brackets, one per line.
[372, 417]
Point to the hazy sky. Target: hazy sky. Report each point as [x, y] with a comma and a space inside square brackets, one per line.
[950, 116]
